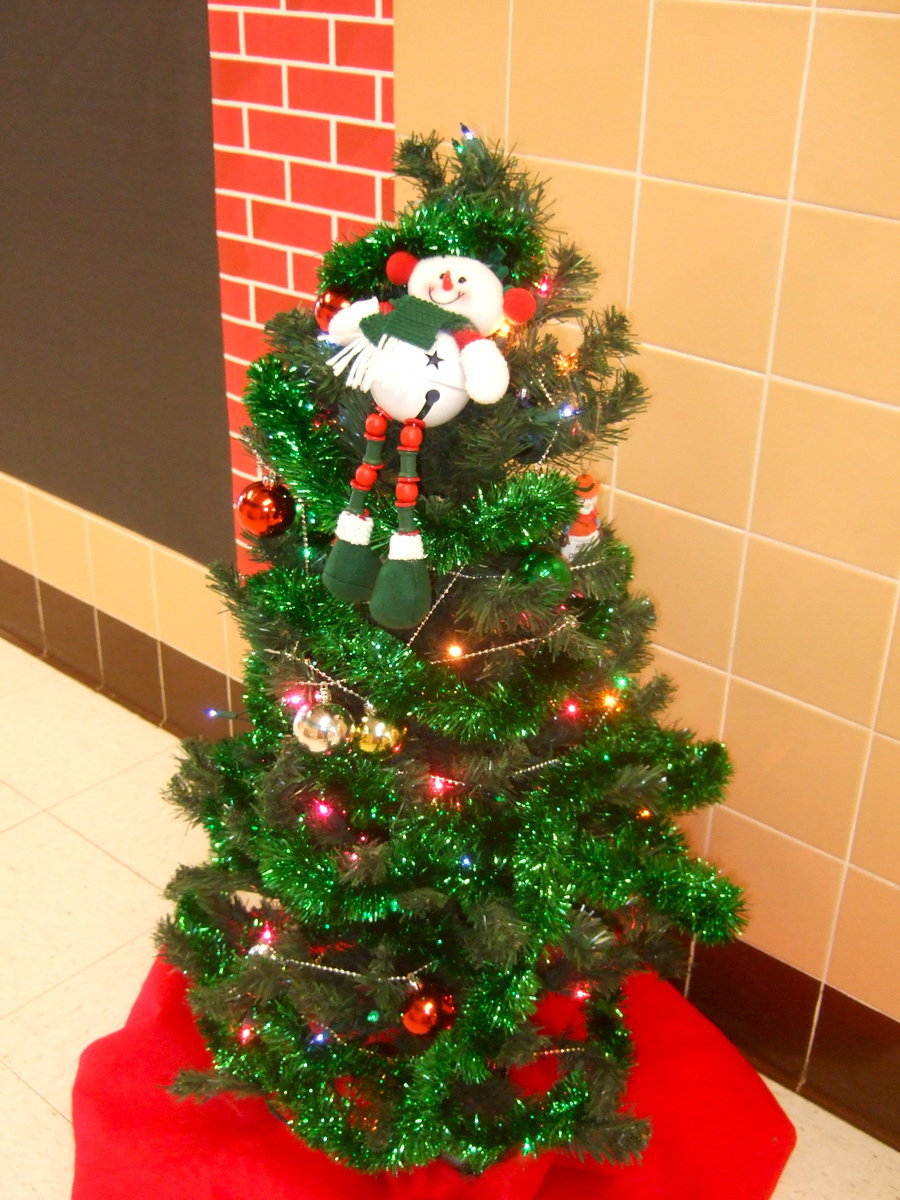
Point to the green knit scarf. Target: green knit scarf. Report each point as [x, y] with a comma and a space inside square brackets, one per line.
[412, 320]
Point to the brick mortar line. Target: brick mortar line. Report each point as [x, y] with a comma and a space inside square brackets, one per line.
[321, 163]
[352, 18]
[259, 60]
[308, 113]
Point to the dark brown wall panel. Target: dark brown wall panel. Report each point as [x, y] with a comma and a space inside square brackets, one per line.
[111, 388]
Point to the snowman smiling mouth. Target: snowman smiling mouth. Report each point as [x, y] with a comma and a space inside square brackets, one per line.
[442, 298]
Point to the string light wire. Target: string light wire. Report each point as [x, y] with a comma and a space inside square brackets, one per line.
[565, 623]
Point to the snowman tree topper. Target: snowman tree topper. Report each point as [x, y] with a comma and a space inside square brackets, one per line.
[422, 357]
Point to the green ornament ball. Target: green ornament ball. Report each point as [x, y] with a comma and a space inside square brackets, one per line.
[543, 562]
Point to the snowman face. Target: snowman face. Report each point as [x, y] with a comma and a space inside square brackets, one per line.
[461, 285]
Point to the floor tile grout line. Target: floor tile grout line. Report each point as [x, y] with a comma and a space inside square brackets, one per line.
[105, 850]
[138, 762]
[34, 1090]
[55, 1109]
[12, 1012]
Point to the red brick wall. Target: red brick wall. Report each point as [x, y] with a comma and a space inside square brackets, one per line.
[304, 130]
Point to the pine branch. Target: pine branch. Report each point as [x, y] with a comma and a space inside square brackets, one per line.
[496, 934]
[207, 1085]
[416, 158]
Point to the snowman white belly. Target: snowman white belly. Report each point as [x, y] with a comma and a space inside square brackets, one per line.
[407, 381]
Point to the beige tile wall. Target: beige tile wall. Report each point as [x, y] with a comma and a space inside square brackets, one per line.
[734, 170]
[137, 581]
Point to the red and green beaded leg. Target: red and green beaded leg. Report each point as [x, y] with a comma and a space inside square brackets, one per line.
[402, 594]
[352, 565]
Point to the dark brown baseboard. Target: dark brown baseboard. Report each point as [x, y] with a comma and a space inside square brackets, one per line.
[157, 682]
[821, 1043]
[761, 1004]
[854, 1066]
[802, 1033]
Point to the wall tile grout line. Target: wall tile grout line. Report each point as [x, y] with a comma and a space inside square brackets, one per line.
[507, 97]
[719, 523]
[705, 185]
[830, 945]
[768, 690]
[635, 217]
[29, 490]
[773, 334]
[770, 356]
[799, 841]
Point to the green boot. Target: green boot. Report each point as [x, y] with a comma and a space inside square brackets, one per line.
[401, 597]
[352, 565]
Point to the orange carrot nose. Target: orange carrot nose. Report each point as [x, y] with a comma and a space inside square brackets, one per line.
[447, 280]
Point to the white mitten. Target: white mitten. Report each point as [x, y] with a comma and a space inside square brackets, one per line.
[344, 325]
[485, 371]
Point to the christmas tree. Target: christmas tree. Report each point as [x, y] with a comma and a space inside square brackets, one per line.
[450, 833]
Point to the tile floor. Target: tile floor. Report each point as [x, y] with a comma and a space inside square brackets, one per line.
[86, 845]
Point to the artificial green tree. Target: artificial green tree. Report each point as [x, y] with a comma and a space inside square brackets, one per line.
[429, 836]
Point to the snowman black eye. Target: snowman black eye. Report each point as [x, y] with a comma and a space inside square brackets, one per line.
[462, 279]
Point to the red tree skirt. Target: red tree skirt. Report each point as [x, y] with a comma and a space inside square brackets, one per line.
[717, 1132]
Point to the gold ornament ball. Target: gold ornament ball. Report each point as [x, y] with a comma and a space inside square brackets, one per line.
[321, 728]
[375, 736]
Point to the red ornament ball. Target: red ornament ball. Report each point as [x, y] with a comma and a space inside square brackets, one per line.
[265, 508]
[428, 1010]
[327, 304]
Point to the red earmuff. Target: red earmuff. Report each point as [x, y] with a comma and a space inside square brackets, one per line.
[518, 305]
[400, 266]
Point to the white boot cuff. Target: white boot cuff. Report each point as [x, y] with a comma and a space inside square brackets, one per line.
[354, 529]
[406, 546]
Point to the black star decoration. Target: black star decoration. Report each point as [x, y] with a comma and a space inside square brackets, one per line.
[434, 358]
